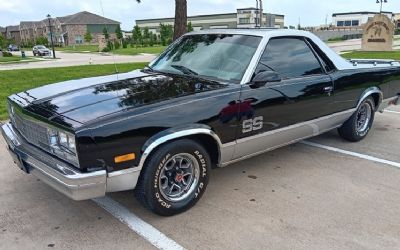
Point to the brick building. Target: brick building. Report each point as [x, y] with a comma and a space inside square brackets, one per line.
[66, 30]
[70, 30]
[12, 33]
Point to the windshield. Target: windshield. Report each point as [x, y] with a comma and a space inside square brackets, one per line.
[224, 57]
[41, 47]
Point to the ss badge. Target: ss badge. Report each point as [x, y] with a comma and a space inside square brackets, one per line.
[253, 124]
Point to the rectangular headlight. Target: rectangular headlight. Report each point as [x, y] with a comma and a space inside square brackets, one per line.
[63, 145]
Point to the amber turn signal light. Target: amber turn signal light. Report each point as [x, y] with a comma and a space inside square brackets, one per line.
[124, 158]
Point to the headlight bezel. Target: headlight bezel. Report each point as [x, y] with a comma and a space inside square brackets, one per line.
[63, 145]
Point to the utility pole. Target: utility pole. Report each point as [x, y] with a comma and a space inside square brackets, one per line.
[51, 36]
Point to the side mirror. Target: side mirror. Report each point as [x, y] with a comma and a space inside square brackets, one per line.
[264, 77]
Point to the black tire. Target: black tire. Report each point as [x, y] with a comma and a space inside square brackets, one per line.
[350, 130]
[149, 189]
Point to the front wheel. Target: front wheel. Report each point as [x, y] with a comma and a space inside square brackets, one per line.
[174, 178]
[360, 123]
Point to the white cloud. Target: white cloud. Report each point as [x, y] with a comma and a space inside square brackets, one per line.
[311, 12]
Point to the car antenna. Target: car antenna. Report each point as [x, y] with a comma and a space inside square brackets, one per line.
[105, 26]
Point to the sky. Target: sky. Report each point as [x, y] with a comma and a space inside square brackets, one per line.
[309, 12]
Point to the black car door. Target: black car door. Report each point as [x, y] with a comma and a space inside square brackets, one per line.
[271, 114]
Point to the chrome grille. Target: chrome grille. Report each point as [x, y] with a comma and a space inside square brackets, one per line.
[33, 132]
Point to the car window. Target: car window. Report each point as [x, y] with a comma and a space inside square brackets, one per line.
[290, 57]
[220, 56]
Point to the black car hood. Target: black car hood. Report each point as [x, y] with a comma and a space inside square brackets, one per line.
[81, 101]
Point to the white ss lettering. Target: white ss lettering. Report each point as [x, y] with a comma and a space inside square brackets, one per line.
[253, 124]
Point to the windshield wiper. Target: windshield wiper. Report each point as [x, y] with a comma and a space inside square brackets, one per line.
[185, 70]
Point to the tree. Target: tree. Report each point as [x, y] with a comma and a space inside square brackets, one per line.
[118, 32]
[105, 33]
[146, 36]
[2, 41]
[166, 33]
[151, 39]
[42, 41]
[88, 37]
[189, 27]
[180, 18]
[137, 35]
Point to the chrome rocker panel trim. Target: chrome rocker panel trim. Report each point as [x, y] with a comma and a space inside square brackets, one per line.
[57, 174]
[388, 102]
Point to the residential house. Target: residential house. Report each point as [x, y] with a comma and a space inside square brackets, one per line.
[3, 31]
[31, 31]
[12, 33]
[70, 30]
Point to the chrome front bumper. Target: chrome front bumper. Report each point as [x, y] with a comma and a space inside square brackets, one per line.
[58, 174]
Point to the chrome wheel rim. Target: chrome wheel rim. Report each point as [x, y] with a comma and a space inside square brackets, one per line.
[179, 177]
[363, 117]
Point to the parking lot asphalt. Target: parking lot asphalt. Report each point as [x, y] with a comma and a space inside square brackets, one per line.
[296, 197]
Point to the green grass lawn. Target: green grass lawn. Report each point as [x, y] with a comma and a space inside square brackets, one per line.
[372, 55]
[79, 48]
[128, 51]
[135, 51]
[15, 81]
[14, 59]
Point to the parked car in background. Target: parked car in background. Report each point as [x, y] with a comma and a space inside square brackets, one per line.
[12, 47]
[40, 50]
[212, 98]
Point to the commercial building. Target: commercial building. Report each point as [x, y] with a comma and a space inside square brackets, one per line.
[355, 19]
[242, 18]
[397, 20]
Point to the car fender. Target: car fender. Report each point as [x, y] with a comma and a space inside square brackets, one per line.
[368, 92]
[176, 133]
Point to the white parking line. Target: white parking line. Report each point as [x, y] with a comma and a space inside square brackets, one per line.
[391, 111]
[362, 156]
[147, 231]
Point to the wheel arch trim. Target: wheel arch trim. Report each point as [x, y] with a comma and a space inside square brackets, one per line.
[177, 133]
[368, 92]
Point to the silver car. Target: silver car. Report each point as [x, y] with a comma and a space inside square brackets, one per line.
[40, 50]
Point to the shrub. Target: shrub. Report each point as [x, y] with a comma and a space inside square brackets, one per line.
[124, 44]
[117, 44]
[7, 54]
[106, 49]
[397, 32]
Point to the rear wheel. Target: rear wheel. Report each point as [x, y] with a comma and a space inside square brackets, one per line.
[174, 178]
[360, 123]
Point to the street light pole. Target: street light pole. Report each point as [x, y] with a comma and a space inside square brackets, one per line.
[261, 13]
[381, 2]
[257, 14]
[51, 36]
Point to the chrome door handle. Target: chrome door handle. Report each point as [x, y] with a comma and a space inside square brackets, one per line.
[328, 89]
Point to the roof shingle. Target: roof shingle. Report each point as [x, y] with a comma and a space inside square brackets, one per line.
[85, 17]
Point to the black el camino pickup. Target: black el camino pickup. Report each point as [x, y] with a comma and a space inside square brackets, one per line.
[212, 98]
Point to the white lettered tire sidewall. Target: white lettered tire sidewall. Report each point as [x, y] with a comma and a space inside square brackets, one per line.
[158, 203]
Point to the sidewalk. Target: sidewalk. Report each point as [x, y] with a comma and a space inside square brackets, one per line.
[76, 59]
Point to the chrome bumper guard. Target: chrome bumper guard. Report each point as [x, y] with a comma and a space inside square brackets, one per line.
[57, 174]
